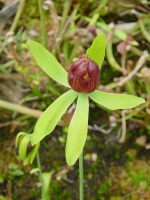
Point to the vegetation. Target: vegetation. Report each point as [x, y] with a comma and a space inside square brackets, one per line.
[116, 164]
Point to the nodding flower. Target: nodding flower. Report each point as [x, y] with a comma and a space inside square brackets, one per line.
[84, 75]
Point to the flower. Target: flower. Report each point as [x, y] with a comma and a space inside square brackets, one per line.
[24, 148]
[78, 128]
[83, 75]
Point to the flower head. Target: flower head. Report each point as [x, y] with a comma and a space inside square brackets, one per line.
[83, 78]
[83, 75]
[24, 148]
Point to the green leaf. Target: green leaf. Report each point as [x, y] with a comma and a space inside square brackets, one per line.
[49, 119]
[34, 170]
[48, 63]
[97, 49]
[46, 176]
[77, 132]
[115, 101]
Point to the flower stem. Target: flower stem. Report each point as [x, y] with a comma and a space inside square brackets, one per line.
[40, 175]
[81, 175]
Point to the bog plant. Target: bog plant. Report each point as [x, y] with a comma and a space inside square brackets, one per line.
[81, 81]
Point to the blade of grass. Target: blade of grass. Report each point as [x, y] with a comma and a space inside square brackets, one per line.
[43, 24]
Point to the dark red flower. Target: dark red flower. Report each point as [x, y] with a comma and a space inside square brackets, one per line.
[83, 75]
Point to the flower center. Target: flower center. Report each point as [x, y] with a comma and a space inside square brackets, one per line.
[86, 76]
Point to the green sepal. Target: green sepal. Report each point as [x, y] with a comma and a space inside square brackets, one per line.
[26, 160]
[20, 135]
[34, 152]
[50, 117]
[77, 132]
[114, 101]
[23, 147]
[96, 52]
[48, 63]
[31, 155]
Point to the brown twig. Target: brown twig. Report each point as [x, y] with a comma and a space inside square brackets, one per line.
[127, 5]
[123, 135]
[111, 34]
[138, 66]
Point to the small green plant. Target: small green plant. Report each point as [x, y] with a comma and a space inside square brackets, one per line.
[14, 170]
[81, 80]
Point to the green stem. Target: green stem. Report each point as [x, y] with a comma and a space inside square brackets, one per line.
[18, 14]
[144, 31]
[43, 24]
[65, 14]
[40, 175]
[21, 109]
[81, 176]
[110, 56]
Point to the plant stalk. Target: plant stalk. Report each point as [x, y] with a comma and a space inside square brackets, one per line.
[81, 176]
[18, 15]
[40, 175]
[21, 109]
[65, 14]
[43, 24]
[144, 31]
